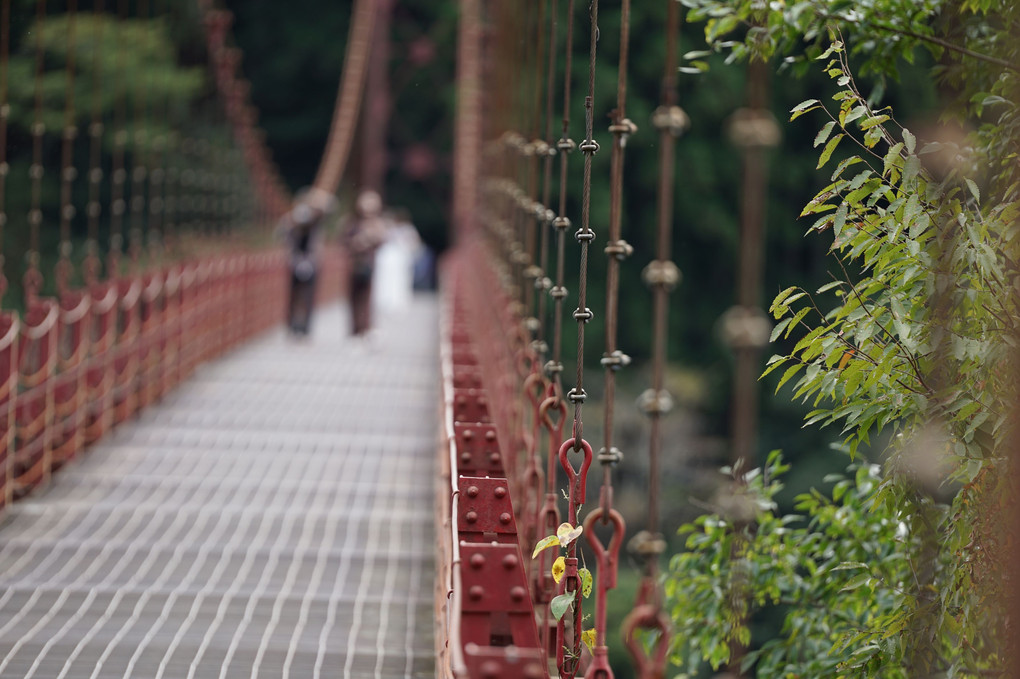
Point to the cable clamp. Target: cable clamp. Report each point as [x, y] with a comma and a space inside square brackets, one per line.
[615, 360]
[611, 456]
[745, 328]
[553, 368]
[652, 402]
[647, 544]
[620, 249]
[672, 119]
[558, 292]
[589, 147]
[661, 273]
[577, 396]
[583, 316]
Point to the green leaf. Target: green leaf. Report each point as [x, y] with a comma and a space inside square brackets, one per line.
[891, 157]
[790, 372]
[909, 140]
[824, 133]
[827, 151]
[973, 189]
[586, 581]
[560, 604]
[840, 220]
[804, 105]
[545, 543]
[829, 286]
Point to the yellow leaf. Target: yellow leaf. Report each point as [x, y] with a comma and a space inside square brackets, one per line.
[558, 567]
[586, 581]
[567, 533]
[847, 355]
[545, 543]
[588, 637]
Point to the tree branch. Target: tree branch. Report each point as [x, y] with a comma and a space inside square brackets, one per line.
[945, 44]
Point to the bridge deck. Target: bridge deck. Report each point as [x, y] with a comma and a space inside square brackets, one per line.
[270, 518]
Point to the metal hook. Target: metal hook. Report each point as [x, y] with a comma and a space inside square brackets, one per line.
[576, 475]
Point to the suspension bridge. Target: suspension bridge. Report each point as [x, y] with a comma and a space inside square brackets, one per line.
[189, 492]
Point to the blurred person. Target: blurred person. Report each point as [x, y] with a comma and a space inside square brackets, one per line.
[301, 231]
[301, 228]
[394, 264]
[363, 234]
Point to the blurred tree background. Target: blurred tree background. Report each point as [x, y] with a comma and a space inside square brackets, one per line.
[294, 55]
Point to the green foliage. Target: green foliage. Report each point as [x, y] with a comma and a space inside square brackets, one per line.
[885, 354]
[136, 61]
[912, 338]
[835, 569]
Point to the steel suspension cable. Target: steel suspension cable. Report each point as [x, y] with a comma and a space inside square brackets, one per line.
[140, 159]
[5, 110]
[613, 359]
[33, 276]
[348, 104]
[662, 276]
[577, 395]
[91, 266]
[548, 514]
[119, 173]
[157, 157]
[67, 170]
[554, 367]
[534, 212]
[542, 281]
[585, 235]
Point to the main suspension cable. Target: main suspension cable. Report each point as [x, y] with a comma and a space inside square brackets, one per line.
[348, 103]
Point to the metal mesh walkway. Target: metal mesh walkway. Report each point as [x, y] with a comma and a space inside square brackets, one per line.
[271, 518]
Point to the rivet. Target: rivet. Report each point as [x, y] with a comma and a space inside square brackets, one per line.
[500, 492]
[477, 560]
[490, 435]
[518, 593]
[490, 669]
[467, 434]
[509, 561]
[472, 491]
[471, 517]
[495, 458]
[505, 518]
[465, 457]
[476, 592]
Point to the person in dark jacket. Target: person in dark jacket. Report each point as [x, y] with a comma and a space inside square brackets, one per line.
[363, 235]
[301, 229]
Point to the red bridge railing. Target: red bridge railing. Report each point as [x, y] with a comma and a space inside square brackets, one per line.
[484, 605]
[73, 368]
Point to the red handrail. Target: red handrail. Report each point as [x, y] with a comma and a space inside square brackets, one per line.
[72, 369]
